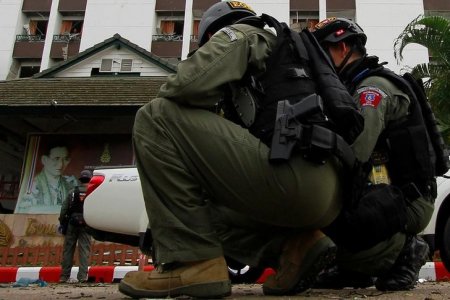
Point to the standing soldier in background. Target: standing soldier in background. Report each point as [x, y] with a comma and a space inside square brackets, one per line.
[73, 227]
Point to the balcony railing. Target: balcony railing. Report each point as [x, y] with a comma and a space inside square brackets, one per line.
[66, 37]
[30, 38]
[172, 38]
[167, 37]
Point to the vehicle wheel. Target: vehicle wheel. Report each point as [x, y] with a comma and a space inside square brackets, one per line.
[445, 245]
[240, 273]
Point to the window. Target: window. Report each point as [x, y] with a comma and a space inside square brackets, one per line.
[348, 14]
[106, 65]
[38, 27]
[304, 20]
[172, 27]
[195, 27]
[71, 26]
[304, 23]
[28, 71]
[126, 65]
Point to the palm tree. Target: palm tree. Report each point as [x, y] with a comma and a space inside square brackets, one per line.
[432, 32]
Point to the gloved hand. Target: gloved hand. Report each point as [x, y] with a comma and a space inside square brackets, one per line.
[62, 229]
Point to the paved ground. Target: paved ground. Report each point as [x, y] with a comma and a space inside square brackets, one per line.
[424, 291]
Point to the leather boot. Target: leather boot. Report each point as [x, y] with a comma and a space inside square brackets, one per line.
[405, 272]
[201, 279]
[303, 257]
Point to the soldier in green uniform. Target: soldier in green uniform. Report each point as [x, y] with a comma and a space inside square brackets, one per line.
[73, 227]
[383, 105]
[190, 159]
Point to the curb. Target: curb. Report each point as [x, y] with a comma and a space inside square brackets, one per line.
[431, 271]
[434, 271]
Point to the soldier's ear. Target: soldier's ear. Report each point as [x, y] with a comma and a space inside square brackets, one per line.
[344, 48]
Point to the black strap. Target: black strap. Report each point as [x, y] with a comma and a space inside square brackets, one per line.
[427, 190]
[322, 139]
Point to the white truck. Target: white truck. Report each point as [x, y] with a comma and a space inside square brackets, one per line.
[115, 211]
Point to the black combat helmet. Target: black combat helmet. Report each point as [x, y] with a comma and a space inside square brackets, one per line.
[334, 30]
[85, 176]
[219, 15]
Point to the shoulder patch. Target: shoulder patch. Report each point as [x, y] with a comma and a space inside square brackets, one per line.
[370, 96]
[230, 33]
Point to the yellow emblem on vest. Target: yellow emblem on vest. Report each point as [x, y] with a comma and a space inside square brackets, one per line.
[237, 5]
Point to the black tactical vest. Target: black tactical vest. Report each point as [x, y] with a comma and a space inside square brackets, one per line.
[77, 199]
[297, 68]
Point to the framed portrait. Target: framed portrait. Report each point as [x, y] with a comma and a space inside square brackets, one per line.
[53, 162]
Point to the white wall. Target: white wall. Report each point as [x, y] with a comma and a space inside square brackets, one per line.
[10, 16]
[383, 21]
[132, 19]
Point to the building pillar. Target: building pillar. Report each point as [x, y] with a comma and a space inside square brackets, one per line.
[322, 9]
[187, 29]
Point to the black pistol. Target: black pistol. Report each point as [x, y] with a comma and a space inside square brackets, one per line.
[288, 129]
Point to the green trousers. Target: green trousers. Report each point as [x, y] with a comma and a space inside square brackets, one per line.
[74, 235]
[192, 161]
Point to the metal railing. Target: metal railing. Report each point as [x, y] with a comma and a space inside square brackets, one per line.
[172, 38]
[167, 37]
[66, 37]
[30, 38]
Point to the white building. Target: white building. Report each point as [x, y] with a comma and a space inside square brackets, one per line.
[37, 34]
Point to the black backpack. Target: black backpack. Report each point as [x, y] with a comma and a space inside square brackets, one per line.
[296, 69]
[442, 164]
[421, 113]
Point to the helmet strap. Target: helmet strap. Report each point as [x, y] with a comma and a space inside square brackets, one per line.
[345, 60]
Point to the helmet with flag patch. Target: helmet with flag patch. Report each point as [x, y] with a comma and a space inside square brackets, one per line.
[334, 30]
[220, 15]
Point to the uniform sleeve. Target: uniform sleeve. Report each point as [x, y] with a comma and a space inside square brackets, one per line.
[380, 102]
[225, 58]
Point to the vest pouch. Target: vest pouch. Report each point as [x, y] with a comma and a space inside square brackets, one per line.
[409, 156]
[77, 219]
[379, 213]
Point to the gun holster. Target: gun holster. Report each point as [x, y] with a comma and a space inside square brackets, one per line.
[315, 142]
[288, 128]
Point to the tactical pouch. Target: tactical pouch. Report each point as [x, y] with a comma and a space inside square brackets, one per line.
[414, 164]
[379, 213]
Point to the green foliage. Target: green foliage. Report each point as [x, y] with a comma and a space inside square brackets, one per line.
[432, 32]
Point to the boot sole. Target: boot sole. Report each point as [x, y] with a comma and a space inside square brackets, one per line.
[319, 257]
[209, 290]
